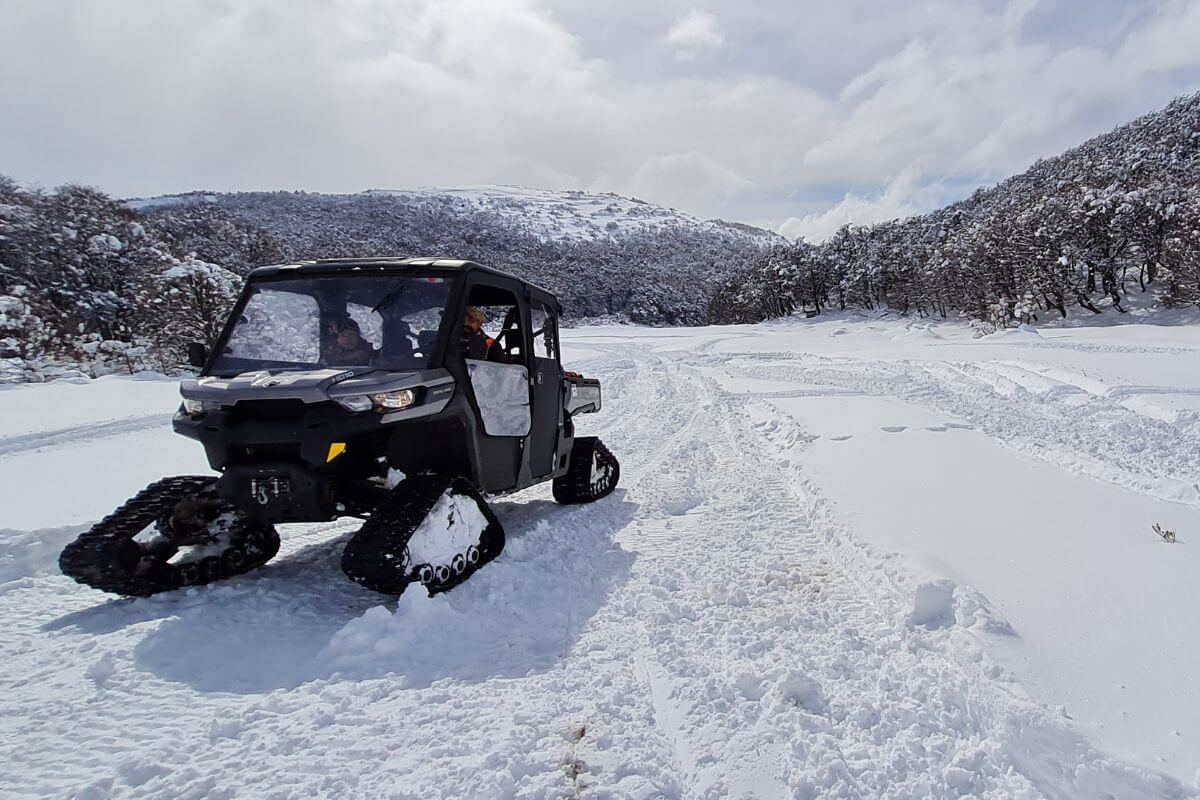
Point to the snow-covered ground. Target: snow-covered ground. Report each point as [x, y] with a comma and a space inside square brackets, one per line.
[848, 558]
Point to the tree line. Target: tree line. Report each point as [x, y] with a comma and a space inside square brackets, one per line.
[1073, 234]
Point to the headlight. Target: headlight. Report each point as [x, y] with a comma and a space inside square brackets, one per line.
[356, 403]
[195, 408]
[393, 401]
[385, 401]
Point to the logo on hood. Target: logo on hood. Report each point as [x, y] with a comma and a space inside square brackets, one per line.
[267, 381]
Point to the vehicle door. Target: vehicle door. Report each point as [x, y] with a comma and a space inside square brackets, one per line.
[546, 379]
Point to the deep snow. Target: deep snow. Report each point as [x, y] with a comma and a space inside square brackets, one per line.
[852, 557]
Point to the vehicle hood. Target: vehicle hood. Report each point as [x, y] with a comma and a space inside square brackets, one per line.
[311, 386]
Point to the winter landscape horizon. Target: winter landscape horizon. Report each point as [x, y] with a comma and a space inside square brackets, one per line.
[533, 399]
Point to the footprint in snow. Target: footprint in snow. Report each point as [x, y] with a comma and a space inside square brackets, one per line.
[894, 428]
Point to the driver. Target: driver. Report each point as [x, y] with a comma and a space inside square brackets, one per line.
[347, 347]
[475, 341]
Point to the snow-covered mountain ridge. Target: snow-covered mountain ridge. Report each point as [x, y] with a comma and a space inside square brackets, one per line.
[556, 215]
[583, 215]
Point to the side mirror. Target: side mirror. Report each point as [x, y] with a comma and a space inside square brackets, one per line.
[197, 355]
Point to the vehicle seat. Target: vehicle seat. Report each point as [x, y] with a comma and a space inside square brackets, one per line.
[397, 342]
[426, 341]
[509, 338]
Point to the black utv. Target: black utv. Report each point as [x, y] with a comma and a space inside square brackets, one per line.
[397, 390]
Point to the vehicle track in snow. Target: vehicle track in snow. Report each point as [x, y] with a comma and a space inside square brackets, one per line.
[77, 434]
[781, 650]
[1095, 434]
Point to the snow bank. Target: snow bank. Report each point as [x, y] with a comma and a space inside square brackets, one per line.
[520, 619]
[27, 554]
[1021, 332]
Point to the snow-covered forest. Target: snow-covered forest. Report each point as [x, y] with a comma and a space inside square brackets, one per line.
[85, 285]
[91, 283]
[1072, 234]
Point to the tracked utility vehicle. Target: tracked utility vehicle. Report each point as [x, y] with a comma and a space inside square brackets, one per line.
[361, 388]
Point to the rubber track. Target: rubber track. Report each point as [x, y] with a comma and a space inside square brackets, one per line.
[576, 485]
[377, 555]
[107, 557]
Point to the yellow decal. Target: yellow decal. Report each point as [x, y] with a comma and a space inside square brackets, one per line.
[335, 450]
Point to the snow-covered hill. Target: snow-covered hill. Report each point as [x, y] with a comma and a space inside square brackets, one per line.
[602, 255]
[859, 557]
[548, 214]
[577, 215]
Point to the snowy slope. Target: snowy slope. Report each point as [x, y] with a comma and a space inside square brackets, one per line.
[846, 560]
[582, 215]
[547, 214]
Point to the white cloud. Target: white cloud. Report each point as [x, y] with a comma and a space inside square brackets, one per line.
[683, 175]
[806, 99]
[902, 197]
[695, 32]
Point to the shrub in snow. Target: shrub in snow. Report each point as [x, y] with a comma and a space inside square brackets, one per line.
[186, 302]
[1167, 536]
[20, 329]
[981, 328]
[86, 287]
[1024, 310]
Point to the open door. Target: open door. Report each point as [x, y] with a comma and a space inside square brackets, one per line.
[499, 379]
[546, 376]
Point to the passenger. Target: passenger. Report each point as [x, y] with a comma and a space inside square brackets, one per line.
[347, 347]
[475, 341]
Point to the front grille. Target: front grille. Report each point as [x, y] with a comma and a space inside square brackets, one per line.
[268, 411]
[260, 453]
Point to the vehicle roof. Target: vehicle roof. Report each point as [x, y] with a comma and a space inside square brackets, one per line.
[384, 263]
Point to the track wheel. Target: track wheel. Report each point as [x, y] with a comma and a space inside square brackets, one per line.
[175, 532]
[592, 472]
[430, 530]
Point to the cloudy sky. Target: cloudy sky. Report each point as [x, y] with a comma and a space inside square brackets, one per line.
[794, 114]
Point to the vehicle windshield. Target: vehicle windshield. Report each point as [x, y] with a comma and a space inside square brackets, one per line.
[385, 322]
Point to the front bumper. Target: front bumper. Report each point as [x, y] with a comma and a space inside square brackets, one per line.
[279, 492]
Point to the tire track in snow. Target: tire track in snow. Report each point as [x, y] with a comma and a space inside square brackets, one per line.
[80, 433]
[1096, 435]
[819, 647]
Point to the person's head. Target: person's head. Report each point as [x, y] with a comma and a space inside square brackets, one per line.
[473, 320]
[345, 333]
